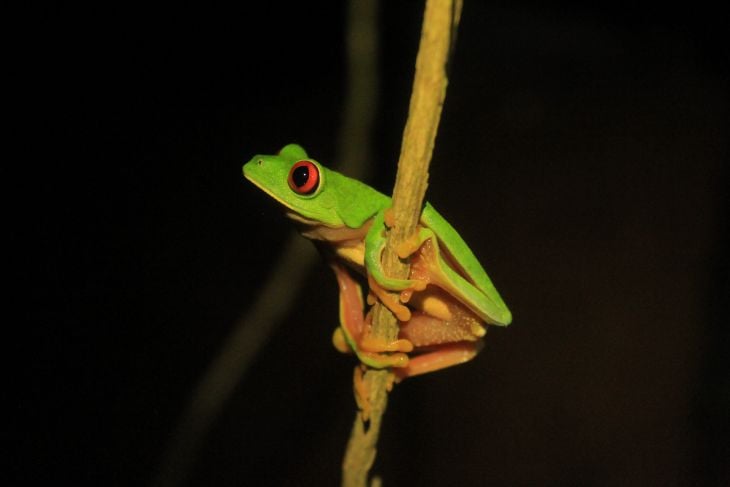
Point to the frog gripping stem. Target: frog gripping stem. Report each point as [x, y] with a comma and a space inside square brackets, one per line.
[429, 90]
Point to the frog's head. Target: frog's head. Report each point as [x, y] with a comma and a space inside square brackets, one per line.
[296, 181]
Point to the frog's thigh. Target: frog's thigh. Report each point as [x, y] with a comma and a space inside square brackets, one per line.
[444, 356]
[351, 308]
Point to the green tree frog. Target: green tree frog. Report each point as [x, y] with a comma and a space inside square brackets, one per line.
[443, 305]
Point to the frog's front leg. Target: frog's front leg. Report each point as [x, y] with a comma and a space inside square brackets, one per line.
[379, 283]
[353, 334]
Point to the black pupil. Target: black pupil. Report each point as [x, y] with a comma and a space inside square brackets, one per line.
[300, 176]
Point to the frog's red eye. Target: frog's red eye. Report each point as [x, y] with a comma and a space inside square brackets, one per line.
[304, 177]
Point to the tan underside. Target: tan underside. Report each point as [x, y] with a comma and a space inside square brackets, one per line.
[347, 243]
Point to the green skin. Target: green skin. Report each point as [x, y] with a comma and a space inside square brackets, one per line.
[343, 203]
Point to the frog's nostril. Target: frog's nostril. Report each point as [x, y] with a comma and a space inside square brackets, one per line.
[260, 161]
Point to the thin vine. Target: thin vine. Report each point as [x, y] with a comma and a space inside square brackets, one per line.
[441, 17]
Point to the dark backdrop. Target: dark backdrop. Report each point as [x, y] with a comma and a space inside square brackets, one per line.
[582, 153]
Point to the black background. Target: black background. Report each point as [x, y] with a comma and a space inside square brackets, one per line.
[582, 154]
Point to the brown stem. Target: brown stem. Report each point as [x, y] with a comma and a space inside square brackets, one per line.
[429, 89]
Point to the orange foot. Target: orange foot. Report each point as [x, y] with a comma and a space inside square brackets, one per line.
[391, 302]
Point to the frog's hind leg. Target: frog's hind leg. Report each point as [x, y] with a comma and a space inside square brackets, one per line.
[353, 332]
[352, 321]
[440, 358]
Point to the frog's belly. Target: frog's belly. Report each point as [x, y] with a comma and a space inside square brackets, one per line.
[352, 254]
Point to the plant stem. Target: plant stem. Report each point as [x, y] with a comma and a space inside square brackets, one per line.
[429, 90]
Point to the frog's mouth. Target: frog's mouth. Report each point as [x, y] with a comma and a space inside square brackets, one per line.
[289, 212]
[303, 220]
